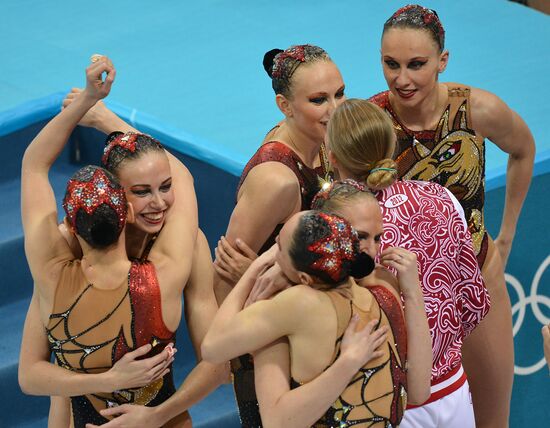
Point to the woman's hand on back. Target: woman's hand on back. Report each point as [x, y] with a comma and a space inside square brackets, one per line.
[361, 346]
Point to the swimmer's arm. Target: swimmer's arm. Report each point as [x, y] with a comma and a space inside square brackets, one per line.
[236, 331]
[105, 120]
[172, 252]
[269, 195]
[200, 309]
[99, 116]
[475, 296]
[419, 342]
[37, 376]
[38, 206]
[282, 407]
[505, 128]
[419, 348]
[184, 192]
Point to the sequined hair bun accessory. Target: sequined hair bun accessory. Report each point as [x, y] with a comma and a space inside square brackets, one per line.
[129, 142]
[420, 15]
[339, 246]
[90, 195]
[297, 53]
[269, 59]
[126, 141]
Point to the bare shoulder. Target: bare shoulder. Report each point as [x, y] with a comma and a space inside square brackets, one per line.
[382, 277]
[270, 178]
[302, 299]
[489, 113]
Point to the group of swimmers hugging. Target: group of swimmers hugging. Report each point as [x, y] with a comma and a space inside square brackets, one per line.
[356, 284]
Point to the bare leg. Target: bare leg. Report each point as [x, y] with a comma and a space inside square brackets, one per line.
[488, 353]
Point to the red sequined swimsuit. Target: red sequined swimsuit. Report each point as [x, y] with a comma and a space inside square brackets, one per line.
[452, 155]
[421, 217]
[90, 329]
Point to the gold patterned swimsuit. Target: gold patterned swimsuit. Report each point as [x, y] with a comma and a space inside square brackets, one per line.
[452, 155]
[377, 395]
[90, 329]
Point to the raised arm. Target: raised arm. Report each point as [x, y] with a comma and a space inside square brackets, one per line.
[106, 121]
[504, 127]
[172, 253]
[38, 207]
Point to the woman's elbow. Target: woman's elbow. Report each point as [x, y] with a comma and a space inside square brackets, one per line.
[25, 382]
[272, 420]
[209, 352]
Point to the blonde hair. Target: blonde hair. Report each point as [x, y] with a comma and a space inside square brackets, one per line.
[360, 135]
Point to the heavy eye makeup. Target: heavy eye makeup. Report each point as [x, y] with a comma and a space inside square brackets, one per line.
[393, 65]
[365, 235]
[166, 185]
[416, 64]
[413, 64]
[319, 99]
[142, 190]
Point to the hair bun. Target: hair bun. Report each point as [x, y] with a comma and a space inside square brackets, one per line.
[362, 266]
[269, 57]
[112, 136]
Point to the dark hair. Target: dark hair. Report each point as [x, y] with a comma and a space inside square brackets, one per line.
[96, 206]
[281, 65]
[120, 147]
[418, 17]
[327, 247]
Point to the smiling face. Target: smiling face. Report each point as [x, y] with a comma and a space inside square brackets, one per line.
[317, 89]
[147, 181]
[366, 218]
[411, 62]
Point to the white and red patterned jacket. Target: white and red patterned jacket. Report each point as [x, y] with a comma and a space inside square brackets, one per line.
[421, 217]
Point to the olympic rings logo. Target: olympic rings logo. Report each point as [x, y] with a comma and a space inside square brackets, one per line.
[520, 307]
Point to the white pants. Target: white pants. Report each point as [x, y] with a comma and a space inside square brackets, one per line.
[452, 411]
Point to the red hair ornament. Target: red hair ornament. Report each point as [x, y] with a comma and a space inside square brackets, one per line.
[90, 195]
[335, 248]
[126, 141]
[297, 53]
